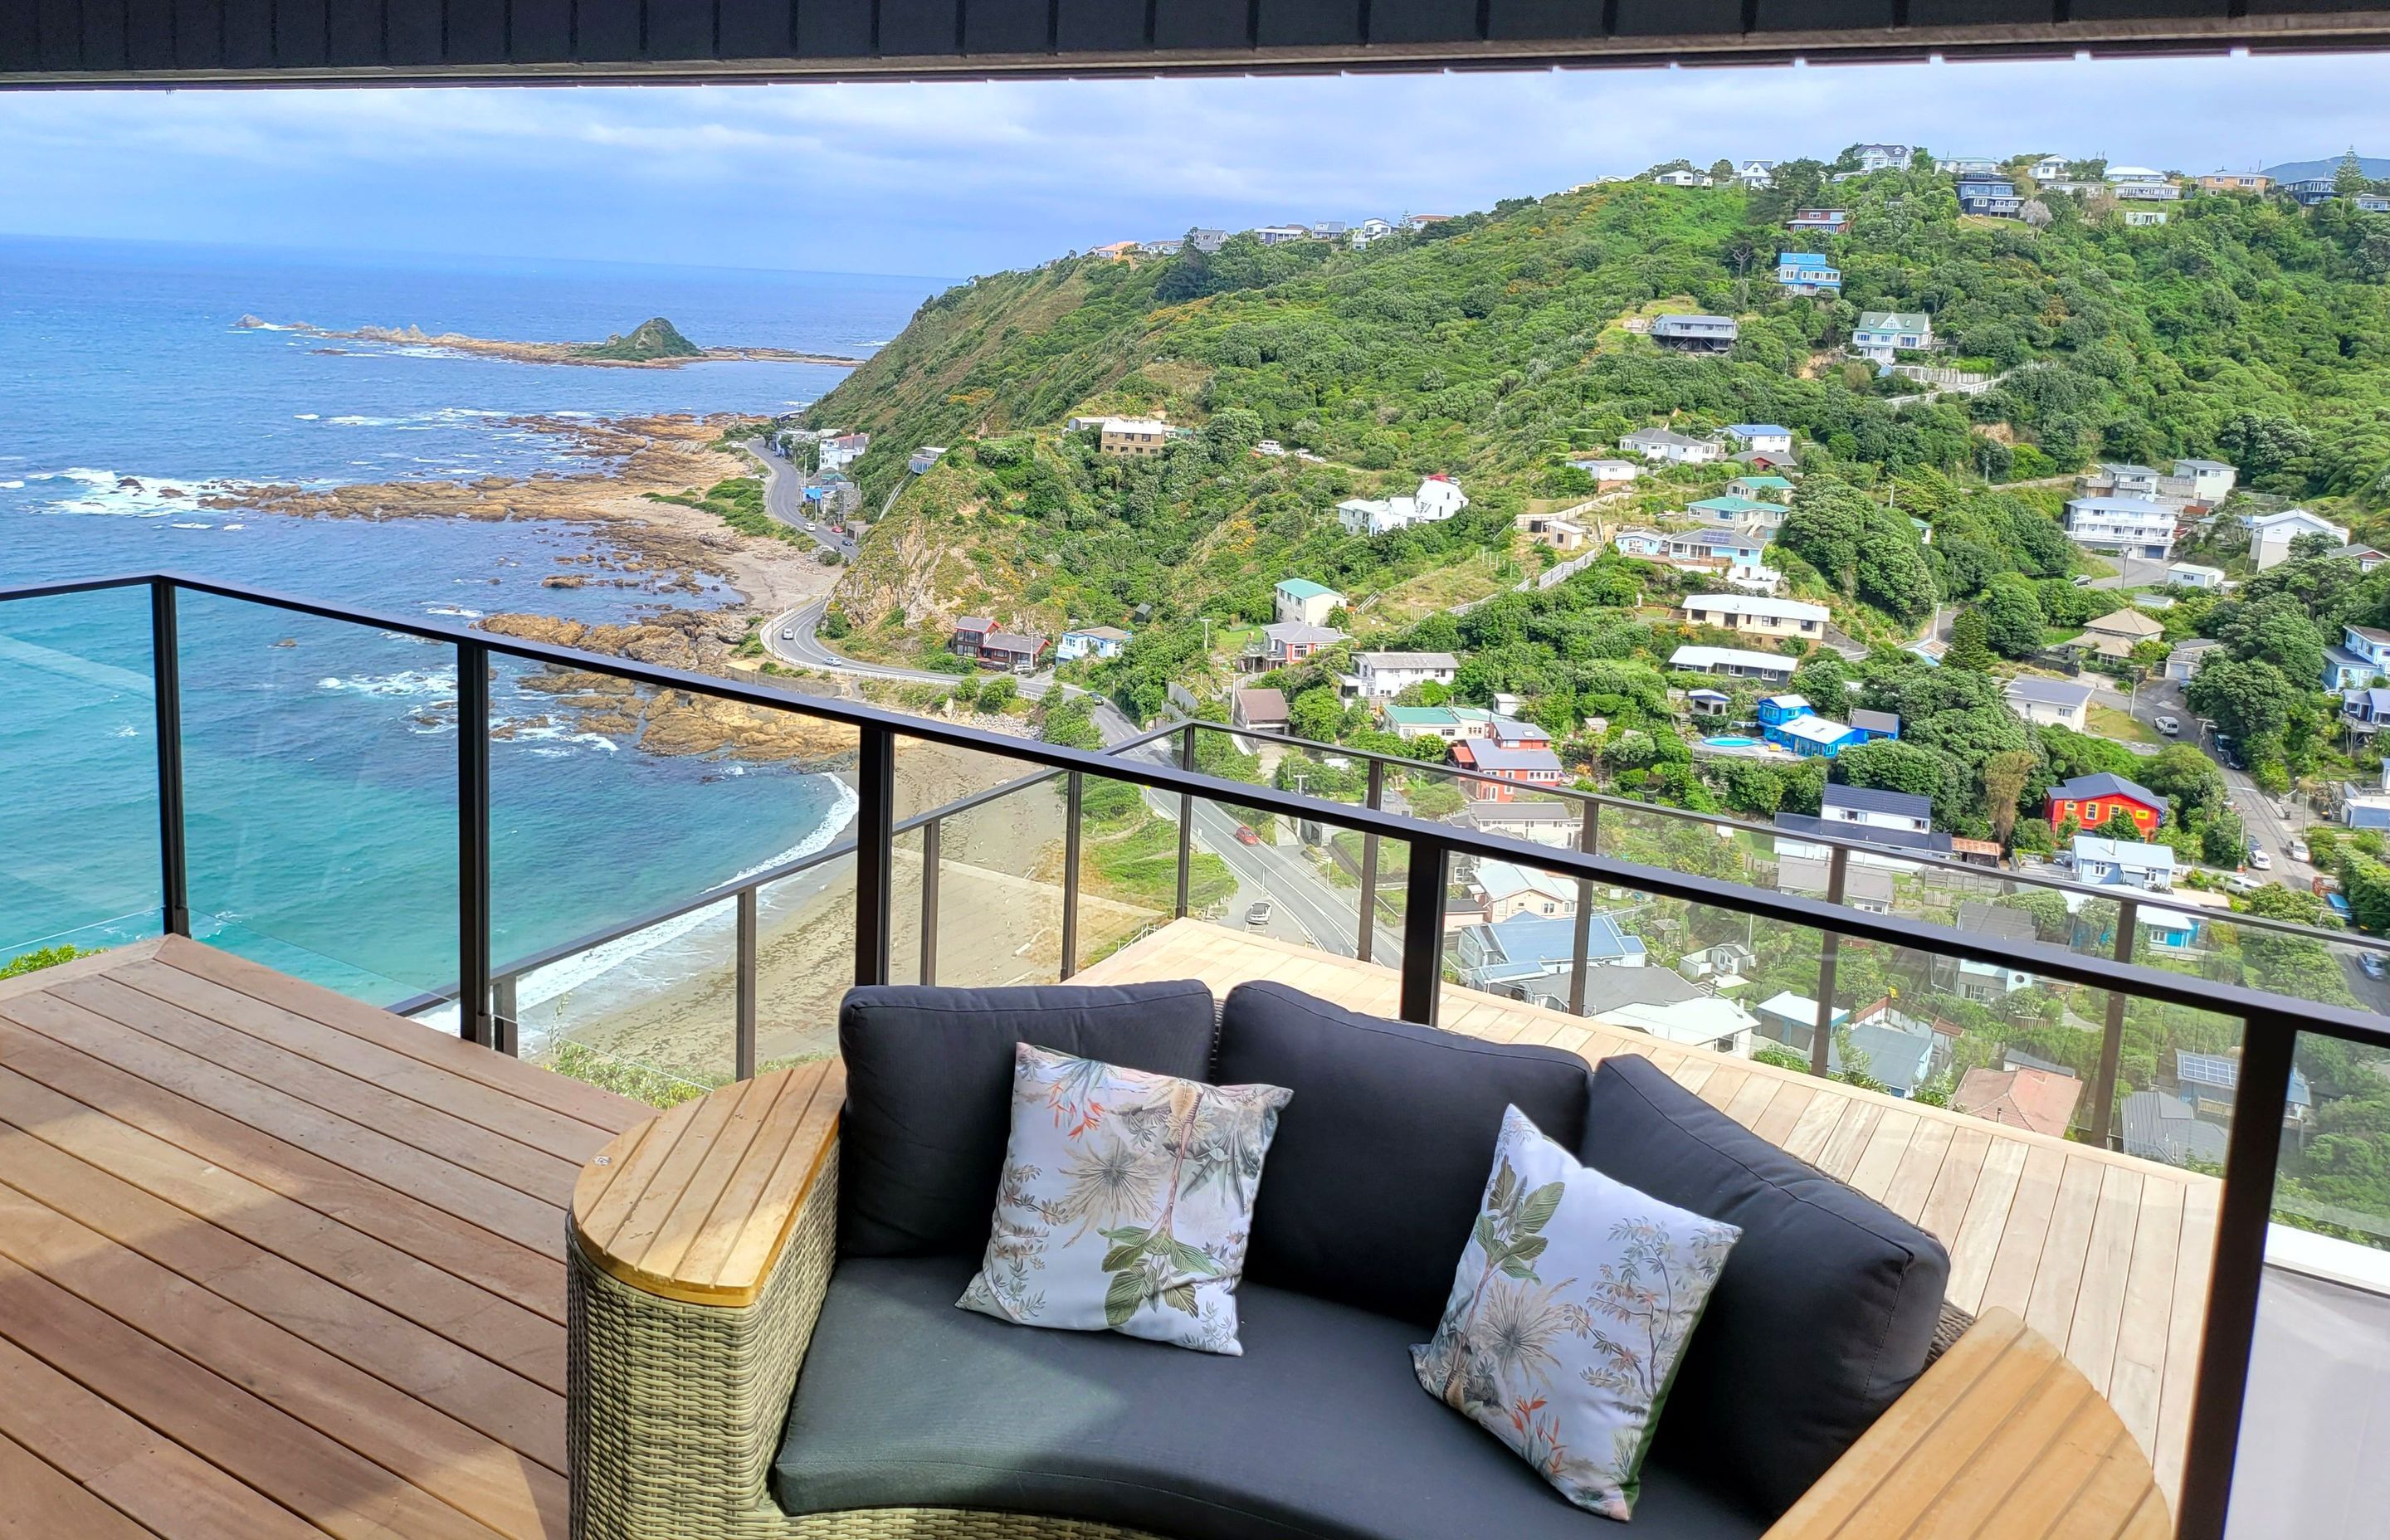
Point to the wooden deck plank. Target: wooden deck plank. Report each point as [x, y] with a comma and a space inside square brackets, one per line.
[2017, 1261]
[533, 1280]
[598, 1108]
[43, 1503]
[1945, 1211]
[1849, 1141]
[1885, 1147]
[2135, 1384]
[1749, 1104]
[2065, 1246]
[1921, 1166]
[1816, 1125]
[2193, 1256]
[496, 1328]
[2107, 1264]
[454, 1190]
[1977, 1242]
[1785, 1112]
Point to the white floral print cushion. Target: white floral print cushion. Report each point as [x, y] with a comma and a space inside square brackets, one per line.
[1569, 1315]
[1126, 1201]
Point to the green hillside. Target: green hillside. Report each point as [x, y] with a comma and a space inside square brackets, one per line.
[652, 338]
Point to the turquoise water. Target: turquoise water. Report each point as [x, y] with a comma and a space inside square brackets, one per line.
[320, 758]
[1730, 742]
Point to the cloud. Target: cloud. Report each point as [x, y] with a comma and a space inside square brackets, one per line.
[971, 177]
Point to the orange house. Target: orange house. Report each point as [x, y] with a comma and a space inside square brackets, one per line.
[2097, 803]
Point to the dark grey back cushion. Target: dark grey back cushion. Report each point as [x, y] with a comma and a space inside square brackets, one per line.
[1382, 1155]
[1826, 1309]
[929, 1092]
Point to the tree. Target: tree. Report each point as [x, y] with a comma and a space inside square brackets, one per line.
[2222, 842]
[2249, 698]
[2013, 617]
[1721, 172]
[1316, 714]
[2366, 882]
[1970, 644]
[1894, 765]
[2184, 777]
[2006, 774]
[1822, 678]
[2348, 178]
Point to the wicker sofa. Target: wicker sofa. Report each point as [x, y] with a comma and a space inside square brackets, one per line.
[850, 1397]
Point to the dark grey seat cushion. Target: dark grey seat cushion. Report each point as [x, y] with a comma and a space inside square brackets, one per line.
[1823, 1315]
[1383, 1154]
[1319, 1432]
[929, 1094]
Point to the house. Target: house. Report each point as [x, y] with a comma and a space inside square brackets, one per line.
[2128, 180]
[1421, 222]
[1680, 177]
[1207, 242]
[1792, 1019]
[1702, 1021]
[1288, 642]
[1634, 540]
[1498, 890]
[1741, 664]
[1661, 443]
[1561, 534]
[1756, 174]
[2183, 661]
[1736, 509]
[1694, 333]
[2124, 480]
[2100, 800]
[837, 451]
[1880, 334]
[1438, 498]
[1807, 272]
[1883, 157]
[2228, 182]
[1447, 723]
[923, 458]
[2372, 203]
[2211, 480]
[2042, 701]
[1734, 549]
[1531, 956]
[1760, 488]
[1898, 1052]
[1864, 887]
[2128, 626]
[2190, 574]
[1279, 235]
[2362, 656]
[1757, 616]
[1139, 438]
[1383, 675]
[2365, 711]
[1766, 460]
[1707, 703]
[1774, 711]
[978, 638]
[1608, 474]
[1766, 437]
[1258, 710]
[2366, 557]
[2211, 1082]
[2049, 168]
[2041, 1100]
[2309, 190]
[1095, 641]
[2106, 863]
[1875, 724]
[1984, 983]
[1327, 229]
[1819, 222]
[1995, 197]
[1368, 230]
[2131, 526]
[1302, 600]
[970, 634]
[1814, 736]
[1723, 962]
[1537, 822]
[1966, 166]
[1169, 247]
[1115, 250]
[1849, 809]
[1516, 754]
[2141, 219]
[2270, 535]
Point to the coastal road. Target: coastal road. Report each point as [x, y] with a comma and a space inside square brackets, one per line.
[2272, 824]
[784, 499]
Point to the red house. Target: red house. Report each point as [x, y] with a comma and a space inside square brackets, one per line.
[2096, 802]
[1519, 751]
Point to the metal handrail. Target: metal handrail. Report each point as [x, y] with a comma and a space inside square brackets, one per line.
[2271, 1022]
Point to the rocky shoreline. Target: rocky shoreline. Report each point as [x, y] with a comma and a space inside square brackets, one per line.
[541, 353]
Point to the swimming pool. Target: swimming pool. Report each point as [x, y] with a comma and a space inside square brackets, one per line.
[1732, 742]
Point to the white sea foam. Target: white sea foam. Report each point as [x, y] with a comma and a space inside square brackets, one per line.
[308, 416]
[457, 610]
[652, 948]
[191, 524]
[96, 491]
[406, 684]
[266, 326]
[11, 486]
[365, 422]
[235, 526]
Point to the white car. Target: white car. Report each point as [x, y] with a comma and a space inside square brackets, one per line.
[2299, 850]
[2242, 882]
[2260, 859]
[2166, 724]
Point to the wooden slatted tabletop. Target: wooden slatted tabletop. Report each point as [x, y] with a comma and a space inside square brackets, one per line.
[695, 1204]
[276, 1264]
[2105, 1255]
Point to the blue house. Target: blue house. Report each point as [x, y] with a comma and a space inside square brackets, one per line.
[1529, 957]
[1807, 272]
[2362, 656]
[1813, 736]
[1988, 195]
[1875, 724]
[1777, 710]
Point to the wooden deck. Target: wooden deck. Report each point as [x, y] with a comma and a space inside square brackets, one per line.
[274, 1264]
[2105, 1255]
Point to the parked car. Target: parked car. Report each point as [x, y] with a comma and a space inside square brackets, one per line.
[2338, 904]
[1259, 915]
[2298, 848]
[2372, 964]
[2167, 725]
[2242, 882]
[2258, 858]
[1245, 835]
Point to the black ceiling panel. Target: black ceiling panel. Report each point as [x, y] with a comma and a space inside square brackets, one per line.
[297, 42]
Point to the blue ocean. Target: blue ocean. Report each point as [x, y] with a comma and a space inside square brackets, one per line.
[320, 759]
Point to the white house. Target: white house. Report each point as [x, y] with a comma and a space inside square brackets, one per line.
[2211, 480]
[840, 450]
[2133, 526]
[1608, 472]
[2270, 535]
[1977, 164]
[1706, 1021]
[2143, 218]
[1661, 443]
[1093, 641]
[1756, 616]
[2183, 661]
[2124, 863]
[1882, 156]
[1438, 498]
[1368, 231]
[1738, 662]
[1302, 600]
[1680, 178]
[1764, 437]
[1383, 675]
[1755, 174]
[2042, 701]
[1873, 807]
[1883, 333]
[2049, 168]
[2191, 575]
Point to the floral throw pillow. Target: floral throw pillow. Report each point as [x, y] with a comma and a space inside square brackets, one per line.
[1126, 1201]
[1569, 1315]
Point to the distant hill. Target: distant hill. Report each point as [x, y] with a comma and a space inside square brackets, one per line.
[2374, 166]
[651, 338]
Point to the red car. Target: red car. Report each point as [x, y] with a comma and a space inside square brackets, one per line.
[1245, 835]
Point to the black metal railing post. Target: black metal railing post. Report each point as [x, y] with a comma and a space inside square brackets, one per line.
[2238, 1274]
[473, 1023]
[1186, 821]
[1423, 932]
[875, 844]
[1589, 839]
[1830, 953]
[1073, 799]
[166, 680]
[506, 1005]
[1365, 942]
[2111, 1037]
[933, 858]
[743, 1045]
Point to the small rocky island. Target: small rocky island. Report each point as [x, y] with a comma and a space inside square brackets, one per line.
[654, 343]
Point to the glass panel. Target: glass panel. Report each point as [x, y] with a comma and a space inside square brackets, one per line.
[79, 823]
[805, 959]
[320, 796]
[1128, 867]
[651, 1014]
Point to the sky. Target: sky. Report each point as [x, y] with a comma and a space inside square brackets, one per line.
[953, 179]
